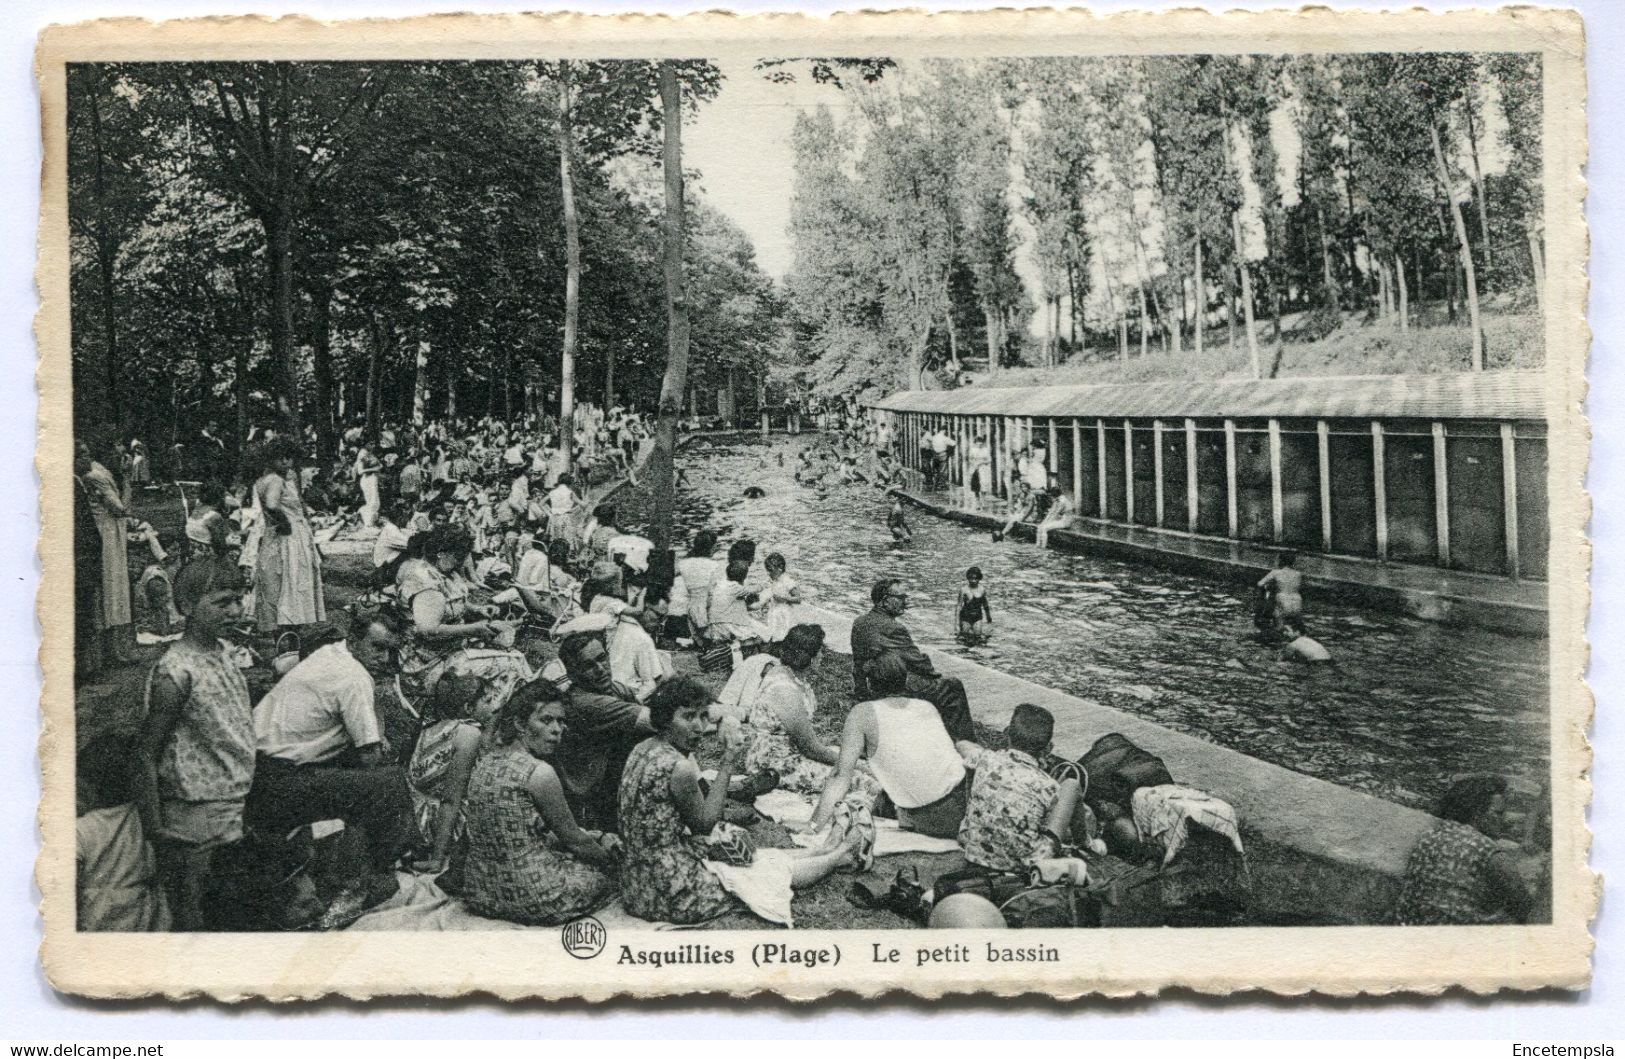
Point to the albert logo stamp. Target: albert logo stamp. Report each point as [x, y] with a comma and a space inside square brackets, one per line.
[584, 938]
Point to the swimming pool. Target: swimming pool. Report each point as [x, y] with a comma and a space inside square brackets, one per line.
[1409, 705]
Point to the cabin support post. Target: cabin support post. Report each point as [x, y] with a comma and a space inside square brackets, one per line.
[1156, 464]
[1128, 469]
[1005, 448]
[1190, 475]
[1277, 508]
[1054, 449]
[1323, 439]
[1441, 493]
[1509, 497]
[1379, 488]
[1077, 464]
[1230, 477]
[1100, 463]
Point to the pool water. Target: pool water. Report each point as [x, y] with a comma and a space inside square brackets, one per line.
[1408, 706]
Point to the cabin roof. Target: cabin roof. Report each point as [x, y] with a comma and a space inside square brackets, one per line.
[1480, 395]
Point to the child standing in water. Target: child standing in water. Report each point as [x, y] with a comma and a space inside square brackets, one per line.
[975, 614]
[896, 522]
[1282, 590]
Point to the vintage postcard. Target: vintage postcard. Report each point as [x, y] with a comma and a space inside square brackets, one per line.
[570, 506]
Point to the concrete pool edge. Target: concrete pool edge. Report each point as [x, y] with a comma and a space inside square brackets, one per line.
[1354, 844]
[1457, 599]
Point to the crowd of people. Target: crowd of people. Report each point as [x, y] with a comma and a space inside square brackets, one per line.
[508, 709]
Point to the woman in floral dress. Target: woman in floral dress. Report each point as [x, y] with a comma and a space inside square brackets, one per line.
[528, 861]
[666, 817]
[448, 627]
[1459, 873]
[288, 568]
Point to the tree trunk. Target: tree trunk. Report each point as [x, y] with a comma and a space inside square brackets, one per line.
[993, 341]
[609, 375]
[1199, 317]
[953, 339]
[321, 353]
[106, 256]
[1329, 277]
[572, 271]
[675, 382]
[1404, 294]
[1145, 336]
[1245, 273]
[1230, 310]
[1478, 188]
[1537, 260]
[375, 358]
[1072, 304]
[420, 381]
[1466, 251]
[278, 224]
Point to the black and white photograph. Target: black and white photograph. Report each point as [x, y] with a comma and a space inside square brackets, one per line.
[942, 492]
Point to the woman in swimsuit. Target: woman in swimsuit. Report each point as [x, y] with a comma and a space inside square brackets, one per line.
[975, 615]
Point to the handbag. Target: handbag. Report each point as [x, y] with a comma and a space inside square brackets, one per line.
[717, 658]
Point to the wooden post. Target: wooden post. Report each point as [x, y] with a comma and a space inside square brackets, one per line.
[1379, 487]
[1077, 463]
[1441, 493]
[1004, 451]
[1054, 444]
[1190, 475]
[1509, 497]
[1277, 507]
[1128, 469]
[1100, 463]
[1156, 463]
[1230, 476]
[1323, 432]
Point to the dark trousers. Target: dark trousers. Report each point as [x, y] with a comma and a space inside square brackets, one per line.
[375, 800]
[947, 694]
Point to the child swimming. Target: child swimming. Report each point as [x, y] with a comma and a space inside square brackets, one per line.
[896, 522]
[975, 614]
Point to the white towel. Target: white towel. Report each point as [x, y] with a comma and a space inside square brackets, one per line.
[421, 905]
[787, 807]
[764, 886]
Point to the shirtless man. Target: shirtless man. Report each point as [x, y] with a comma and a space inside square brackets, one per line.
[1282, 587]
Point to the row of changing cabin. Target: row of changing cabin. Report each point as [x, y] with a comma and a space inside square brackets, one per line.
[1435, 470]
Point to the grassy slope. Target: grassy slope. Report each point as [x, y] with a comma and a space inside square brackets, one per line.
[1513, 340]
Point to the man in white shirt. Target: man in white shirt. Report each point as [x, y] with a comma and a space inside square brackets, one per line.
[320, 746]
[633, 659]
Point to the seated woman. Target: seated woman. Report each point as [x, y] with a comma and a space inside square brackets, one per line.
[905, 743]
[442, 759]
[207, 531]
[1459, 872]
[1059, 515]
[528, 861]
[666, 817]
[728, 609]
[447, 626]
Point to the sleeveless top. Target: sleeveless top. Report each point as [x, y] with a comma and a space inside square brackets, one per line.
[916, 762]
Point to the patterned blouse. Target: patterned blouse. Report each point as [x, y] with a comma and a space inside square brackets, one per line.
[1447, 878]
[210, 756]
[1010, 797]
